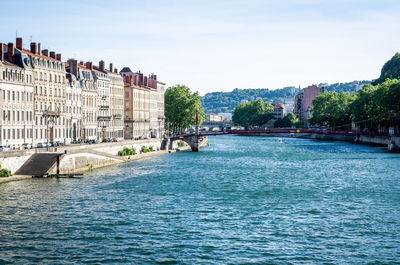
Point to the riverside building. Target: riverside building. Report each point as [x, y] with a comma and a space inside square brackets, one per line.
[49, 77]
[16, 92]
[73, 109]
[87, 83]
[143, 105]
[116, 103]
[303, 102]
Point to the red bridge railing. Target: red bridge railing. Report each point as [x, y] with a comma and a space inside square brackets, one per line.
[294, 131]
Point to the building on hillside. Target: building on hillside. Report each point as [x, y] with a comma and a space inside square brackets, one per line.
[214, 117]
[16, 92]
[73, 114]
[279, 111]
[49, 77]
[142, 102]
[116, 103]
[226, 116]
[303, 102]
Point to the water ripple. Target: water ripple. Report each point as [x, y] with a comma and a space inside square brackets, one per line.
[241, 200]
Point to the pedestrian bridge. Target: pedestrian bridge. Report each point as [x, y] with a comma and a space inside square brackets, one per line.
[289, 131]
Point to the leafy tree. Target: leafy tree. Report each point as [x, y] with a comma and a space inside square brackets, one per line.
[288, 121]
[331, 109]
[254, 113]
[390, 70]
[180, 108]
[373, 103]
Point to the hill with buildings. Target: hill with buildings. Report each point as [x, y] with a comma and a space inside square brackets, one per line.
[217, 102]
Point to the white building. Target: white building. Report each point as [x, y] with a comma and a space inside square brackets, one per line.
[16, 92]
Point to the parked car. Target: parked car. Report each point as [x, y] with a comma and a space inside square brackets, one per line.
[58, 143]
[27, 146]
[114, 140]
[91, 141]
[4, 148]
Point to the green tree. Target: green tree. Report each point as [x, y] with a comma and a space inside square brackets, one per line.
[288, 121]
[180, 108]
[373, 103]
[254, 113]
[331, 109]
[390, 70]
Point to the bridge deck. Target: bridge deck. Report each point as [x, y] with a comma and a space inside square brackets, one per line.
[286, 131]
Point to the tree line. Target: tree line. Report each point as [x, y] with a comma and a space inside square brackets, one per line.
[368, 108]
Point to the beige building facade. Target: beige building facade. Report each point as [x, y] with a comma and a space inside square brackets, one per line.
[116, 103]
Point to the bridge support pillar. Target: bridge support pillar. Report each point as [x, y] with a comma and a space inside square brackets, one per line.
[392, 147]
[195, 146]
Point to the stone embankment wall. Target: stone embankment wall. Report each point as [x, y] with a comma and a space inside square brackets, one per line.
[82, 158]
[363, 139]
[13, 160]
[78, 157]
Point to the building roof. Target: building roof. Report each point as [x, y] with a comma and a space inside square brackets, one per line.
[10, 64]
[126, 70]
[39, 55]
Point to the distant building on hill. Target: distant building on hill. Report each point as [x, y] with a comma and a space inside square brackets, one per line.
[214, 117]
[303, 102]
[226, 116]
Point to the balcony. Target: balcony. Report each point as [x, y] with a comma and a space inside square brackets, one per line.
[103, 118]
[117, 116]
[102, 107]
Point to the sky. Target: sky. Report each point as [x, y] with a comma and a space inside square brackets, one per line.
[217, 45]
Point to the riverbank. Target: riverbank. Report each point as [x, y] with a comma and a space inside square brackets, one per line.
[79, 159]
[379, 141]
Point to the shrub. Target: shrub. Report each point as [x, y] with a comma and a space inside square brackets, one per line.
[181, 143]
[127, 152]
[89, 166]
[147, 150]
[5, 173]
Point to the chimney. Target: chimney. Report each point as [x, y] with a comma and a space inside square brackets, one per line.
[39, 51]
[58, 57]
[53, 54]
[46, 52]
[33, 48]
[73, 64]
[116, 71]
[81, 63]
[89, 65]
[111, 68]
[19, 42]
[1, 52]
[131, 80]
[10, 51]
[101, 65]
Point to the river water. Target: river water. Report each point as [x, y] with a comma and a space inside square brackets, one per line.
[240, 200]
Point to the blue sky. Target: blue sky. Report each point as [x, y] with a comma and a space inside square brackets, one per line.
[217, 45]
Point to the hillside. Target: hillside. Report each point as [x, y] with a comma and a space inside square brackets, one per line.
[350, 87]
[217, 102]
[391, 70]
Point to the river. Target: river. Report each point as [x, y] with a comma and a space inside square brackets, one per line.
[240, 200]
